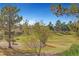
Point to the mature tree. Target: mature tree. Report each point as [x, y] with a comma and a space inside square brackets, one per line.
[70, 26]
[50, 25]
[58, 27]
[61, 10]
[10, 17]
[64, 27]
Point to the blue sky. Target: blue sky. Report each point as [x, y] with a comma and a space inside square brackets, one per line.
[35, 12]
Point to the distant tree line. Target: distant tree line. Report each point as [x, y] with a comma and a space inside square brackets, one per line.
[63, 27]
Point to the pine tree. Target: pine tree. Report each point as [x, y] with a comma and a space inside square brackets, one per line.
[50, 25]
[58, 26]
[10, 17]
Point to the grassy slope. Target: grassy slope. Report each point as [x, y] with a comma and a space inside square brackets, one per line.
[59, 41]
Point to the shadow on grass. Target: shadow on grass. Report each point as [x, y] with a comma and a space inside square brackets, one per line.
[73, 51]
[15, 52]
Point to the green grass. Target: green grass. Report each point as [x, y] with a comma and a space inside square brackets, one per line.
[73, 51]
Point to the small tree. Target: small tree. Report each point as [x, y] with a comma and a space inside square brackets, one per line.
[33, 44]
[26, 28]
[43, 33]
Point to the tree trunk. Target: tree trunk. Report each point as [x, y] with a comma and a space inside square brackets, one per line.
[39, 53]
[9, 31]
